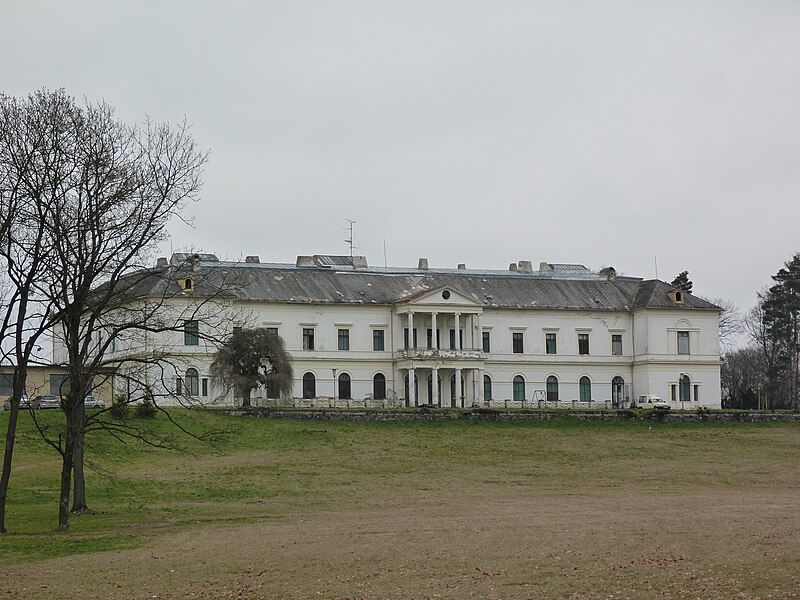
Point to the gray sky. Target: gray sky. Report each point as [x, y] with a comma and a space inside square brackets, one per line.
[488, 132]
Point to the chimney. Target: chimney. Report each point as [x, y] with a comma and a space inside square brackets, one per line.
[512, 267]
[359, 262]
[423, 264]
[162, 261]
[195, 262]
[251, 259]
[305, 261]
[525, 266]
[609, 273]
[462, 267]
[545, 267]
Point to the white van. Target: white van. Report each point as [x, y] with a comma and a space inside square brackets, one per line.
[651, 401]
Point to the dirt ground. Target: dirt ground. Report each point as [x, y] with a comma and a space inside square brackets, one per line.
[462, 542]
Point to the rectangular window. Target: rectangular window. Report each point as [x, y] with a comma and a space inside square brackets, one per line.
[616, 344]
[205, 386]
[344, 339]
[179, 386]
[516, 342]
[452, 339]
[6, 384]
[673, 392]
[405, 338]
[59, 384]
[583, 343]
[697, 393]
[550, 343]
[191, 333]
[683, 342]
[308, 338]
[487, 345]
[378, 340]
[429, 338]
[272, 330]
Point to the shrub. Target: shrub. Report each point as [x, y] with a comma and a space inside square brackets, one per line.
[119, 407]
[146, 410]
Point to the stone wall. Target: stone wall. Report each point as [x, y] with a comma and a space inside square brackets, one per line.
[485, 414]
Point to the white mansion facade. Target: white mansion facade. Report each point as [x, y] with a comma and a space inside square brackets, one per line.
[359, 335]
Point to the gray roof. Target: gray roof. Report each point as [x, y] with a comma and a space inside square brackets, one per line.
[344, 284]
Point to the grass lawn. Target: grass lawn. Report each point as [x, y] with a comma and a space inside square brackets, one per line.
[295, 510]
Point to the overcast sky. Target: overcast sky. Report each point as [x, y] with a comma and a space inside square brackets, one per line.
[602, 133]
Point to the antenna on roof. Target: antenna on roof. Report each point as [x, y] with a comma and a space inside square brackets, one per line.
[655, 260]
[350, 240]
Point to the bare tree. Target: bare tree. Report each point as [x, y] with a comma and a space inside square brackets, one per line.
[730, 321]
[27, 183]
[111, 190]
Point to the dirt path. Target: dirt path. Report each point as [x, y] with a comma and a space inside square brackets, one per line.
[463, 544]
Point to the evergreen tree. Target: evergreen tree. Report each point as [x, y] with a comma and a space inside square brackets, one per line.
[781, 310]
[683, 282]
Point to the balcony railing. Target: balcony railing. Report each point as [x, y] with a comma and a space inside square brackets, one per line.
[440, 354]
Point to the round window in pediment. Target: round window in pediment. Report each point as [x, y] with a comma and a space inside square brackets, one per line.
[446, 294]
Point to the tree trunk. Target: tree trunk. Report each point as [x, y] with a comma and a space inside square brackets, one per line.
[79, 489]
[11, 433]
[245, 397]
[66, 480]
[74, 426]
[8, 453]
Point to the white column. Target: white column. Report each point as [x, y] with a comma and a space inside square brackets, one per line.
[410, 329]
[412, 394]
[458, 332]
[433, 332]
[435, 383]
[458, 385]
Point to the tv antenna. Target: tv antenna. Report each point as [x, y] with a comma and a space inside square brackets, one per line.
[349, 241]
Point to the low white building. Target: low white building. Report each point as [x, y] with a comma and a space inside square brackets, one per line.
[359, 335]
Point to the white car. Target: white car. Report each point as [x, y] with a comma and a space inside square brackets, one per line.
[93, 402]
[24, 402]
[652, 402]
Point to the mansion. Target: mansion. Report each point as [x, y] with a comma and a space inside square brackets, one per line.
[360, 335]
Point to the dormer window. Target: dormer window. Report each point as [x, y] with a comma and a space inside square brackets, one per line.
[677, 296]
[187, 284]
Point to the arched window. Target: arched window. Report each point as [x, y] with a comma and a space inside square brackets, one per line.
[456, 401]
[487, 388]
[585, 389]
[617, 391]
[309, 385]
[552, 389]
[379, 386]
[685, 389]
[344, 387]
[519, 388]
[192, 381]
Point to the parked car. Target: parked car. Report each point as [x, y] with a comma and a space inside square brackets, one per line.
[653, 402]
[24, 402]
[46, 402]
[93, 402]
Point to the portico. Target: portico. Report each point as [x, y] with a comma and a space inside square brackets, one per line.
[440, 348]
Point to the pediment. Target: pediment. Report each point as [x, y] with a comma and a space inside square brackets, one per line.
[445, 296]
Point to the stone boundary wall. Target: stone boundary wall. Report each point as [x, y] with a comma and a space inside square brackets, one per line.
[488, 414]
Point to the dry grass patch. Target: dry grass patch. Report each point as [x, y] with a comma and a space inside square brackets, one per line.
[452, 510]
